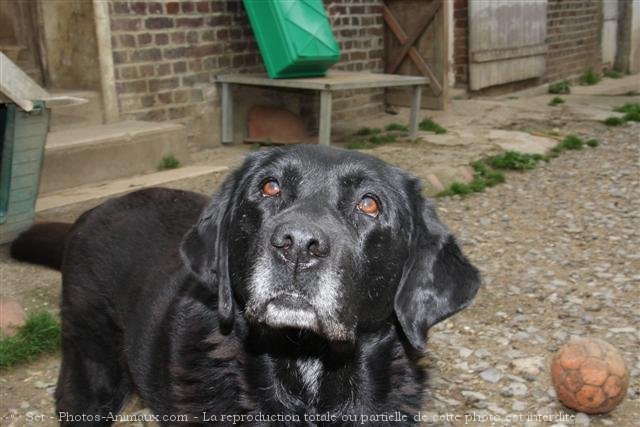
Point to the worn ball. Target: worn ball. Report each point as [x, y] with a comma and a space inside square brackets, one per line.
[589, 375]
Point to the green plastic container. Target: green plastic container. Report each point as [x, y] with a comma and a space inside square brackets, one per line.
[294, 37]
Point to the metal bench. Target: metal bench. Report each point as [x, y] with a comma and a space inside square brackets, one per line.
[333, 81]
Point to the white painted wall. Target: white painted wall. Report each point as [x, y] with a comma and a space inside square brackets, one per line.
[634, 60]
[609, 31]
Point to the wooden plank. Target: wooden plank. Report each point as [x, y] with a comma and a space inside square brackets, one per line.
[335, 80]
[431, 46]
[415, 56]
[507, 41]
[17, 85]
[426, 70]
[426, 19]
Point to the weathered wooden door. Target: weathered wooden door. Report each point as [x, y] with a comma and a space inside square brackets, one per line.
[416, 44]
[506, 41]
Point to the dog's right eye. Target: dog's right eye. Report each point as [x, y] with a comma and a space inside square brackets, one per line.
[270, 188]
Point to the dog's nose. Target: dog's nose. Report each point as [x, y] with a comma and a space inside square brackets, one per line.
[301, 243]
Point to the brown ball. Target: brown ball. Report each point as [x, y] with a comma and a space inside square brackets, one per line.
[589, 375]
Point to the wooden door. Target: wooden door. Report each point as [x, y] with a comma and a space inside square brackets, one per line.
[506, 41]
[416, 44]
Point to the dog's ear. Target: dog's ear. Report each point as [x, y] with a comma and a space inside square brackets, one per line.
[204, 248]
[437, 280]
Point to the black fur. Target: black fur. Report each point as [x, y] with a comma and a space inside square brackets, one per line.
[197, 307]
[42, 244]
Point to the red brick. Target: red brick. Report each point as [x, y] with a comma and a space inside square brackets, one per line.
[187, 7]
[139, 8]
[144, 39]
[189, 22]
[203, 7]
[162, 39]
[158, 23]
[125, 24]
[155, 8]
[179, 67]
[172, 8]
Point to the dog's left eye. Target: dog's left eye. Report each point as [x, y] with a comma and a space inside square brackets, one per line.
[270, 188]
[369, 206]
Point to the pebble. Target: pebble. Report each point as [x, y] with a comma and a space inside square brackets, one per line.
[514, 389]
[491, 375]
[582, 419]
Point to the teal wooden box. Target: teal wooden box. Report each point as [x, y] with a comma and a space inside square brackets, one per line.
[21, 151]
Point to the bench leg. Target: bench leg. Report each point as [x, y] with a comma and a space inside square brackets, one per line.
[324, 133]
[226, 125]
[415, 112]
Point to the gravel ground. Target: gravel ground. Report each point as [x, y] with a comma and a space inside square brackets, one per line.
[559, 250]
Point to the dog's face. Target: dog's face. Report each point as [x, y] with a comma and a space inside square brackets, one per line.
[330, 241]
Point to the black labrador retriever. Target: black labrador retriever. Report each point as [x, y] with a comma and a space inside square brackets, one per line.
[301, 294]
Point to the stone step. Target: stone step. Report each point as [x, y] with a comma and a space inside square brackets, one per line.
[101, 190]
[76, 116]
[98, 153]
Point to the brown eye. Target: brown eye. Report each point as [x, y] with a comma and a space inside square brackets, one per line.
[270, 188]
[368, 205]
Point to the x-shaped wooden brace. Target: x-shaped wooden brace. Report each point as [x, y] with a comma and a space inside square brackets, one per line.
[408, 42]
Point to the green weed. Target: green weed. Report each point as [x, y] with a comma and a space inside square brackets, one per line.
[169, 162]
[391, 127]
[512, 160]
[367, 131]
[613, 121]
[40, 334]
[429, 125]
[590, 78]
[593, 143]
[571, 142]
[556, 100]
[383, 138]
[563, 87]
[357, 144]
[613, 74]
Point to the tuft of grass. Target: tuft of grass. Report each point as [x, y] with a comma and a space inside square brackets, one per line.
[478, 185]
[40, 334]
[563, 87]
[357, 144]
[169, 162]
[633, 116]
[367, 131]
[429, 125]
[629, 107]
[571, 142]
[254, 147]
[613, 121]
[383, 138]
[556, 100]
[613, 74]
[632, 93]
[590, 78]
[593, 143]
[391, 127]
[512, 160]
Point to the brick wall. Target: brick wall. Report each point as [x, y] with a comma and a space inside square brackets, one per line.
[166, 54]
[460, 43]
[573, 39]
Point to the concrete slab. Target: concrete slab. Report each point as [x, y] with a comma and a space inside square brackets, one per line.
[610, 87]
[97, 153]
[112, 188]
[521, 141]
[76, 116]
